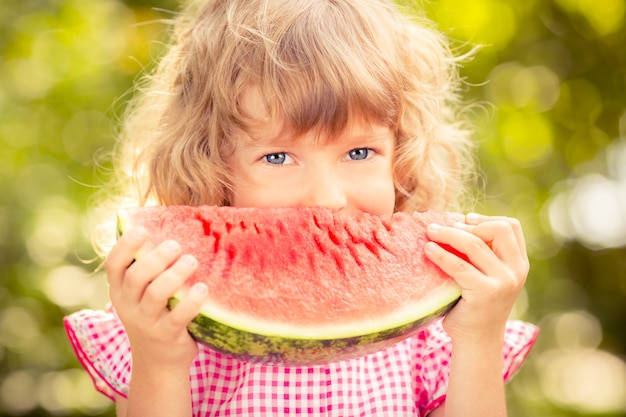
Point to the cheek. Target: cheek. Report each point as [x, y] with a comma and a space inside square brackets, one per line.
[260, 195]
[386, 201]
[378, 196]
[245, 196]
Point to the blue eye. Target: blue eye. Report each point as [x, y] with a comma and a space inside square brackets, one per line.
[278, 158]
[358, 154]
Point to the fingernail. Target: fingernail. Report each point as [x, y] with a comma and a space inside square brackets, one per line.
[189, 261]
[172, 246]
[200, 288]
[472, 217]
[434, 227]
[460, 225]
[430, 246]
[137, 232]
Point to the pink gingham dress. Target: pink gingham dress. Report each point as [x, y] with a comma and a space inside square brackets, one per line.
[407, 379]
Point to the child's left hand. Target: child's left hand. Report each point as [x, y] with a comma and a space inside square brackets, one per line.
[492, 278]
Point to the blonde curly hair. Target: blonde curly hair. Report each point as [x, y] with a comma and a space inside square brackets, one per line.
[315, 62]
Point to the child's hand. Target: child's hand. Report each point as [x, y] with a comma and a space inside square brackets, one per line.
[139, 291]
[490, 281]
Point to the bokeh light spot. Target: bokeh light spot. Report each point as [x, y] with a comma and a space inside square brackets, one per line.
[101, 26]
[580, 104]
[29, 78]
[537, 87]
[512, 85]
[577, 329]
[16, 392]
[490, 22]
[588, 380]
[592, 211]
[616, 160]
[53, 231]
[18, 327]
[72, 287]
[605, 17]
[527, 138]
[597, 210]
[71, 389]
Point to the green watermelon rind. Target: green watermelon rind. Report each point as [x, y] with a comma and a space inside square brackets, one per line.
[426, 306]
[277, 349]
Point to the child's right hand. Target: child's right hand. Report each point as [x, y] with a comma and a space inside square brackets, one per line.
[139, 291]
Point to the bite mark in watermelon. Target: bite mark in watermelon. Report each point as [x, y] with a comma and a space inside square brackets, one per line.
[304, 285]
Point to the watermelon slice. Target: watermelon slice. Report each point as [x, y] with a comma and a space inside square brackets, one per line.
[304, 285]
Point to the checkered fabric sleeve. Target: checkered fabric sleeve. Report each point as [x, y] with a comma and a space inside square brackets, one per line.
[102, 347]
[434, 352]
[407, 379]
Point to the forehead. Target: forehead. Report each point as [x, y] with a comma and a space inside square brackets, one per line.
[259, 122]
[254, 106]
[265, 122]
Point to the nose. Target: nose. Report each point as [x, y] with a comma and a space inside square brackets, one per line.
[325, 188]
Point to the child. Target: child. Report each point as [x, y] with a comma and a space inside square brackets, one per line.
[345, 104]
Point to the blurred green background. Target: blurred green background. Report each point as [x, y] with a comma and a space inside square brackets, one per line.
[552, 80]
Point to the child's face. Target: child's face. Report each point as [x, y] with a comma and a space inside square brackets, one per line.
[352, 173]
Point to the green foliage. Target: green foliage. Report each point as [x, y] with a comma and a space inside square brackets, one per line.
[550, 88]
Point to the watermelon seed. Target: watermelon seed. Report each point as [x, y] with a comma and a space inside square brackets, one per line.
[293, 257]
[373, 248]
[339, 261]
[206, 225]
[380, 244]
[355, 255]
[208, 231]
[231, 252]
[216, 242]
[333, 237]
[317, 222]
[386, 222]
[319, 244]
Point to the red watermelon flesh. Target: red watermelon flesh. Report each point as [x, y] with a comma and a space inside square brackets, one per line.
[306, 273]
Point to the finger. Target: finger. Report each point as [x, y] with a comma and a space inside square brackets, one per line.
[505, 237]
[478, 219]
[163, 287]
[502, 238]
[464, 273]
[467, 247]
[122, 255]
[142, 272]
[188, 307]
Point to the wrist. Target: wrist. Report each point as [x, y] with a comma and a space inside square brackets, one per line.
[481, 345]
[475, 334]
[160, 369]
[169, 359]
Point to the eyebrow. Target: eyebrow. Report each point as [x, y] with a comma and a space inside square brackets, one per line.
[258, 139]
[251, 140]
[372, 135]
